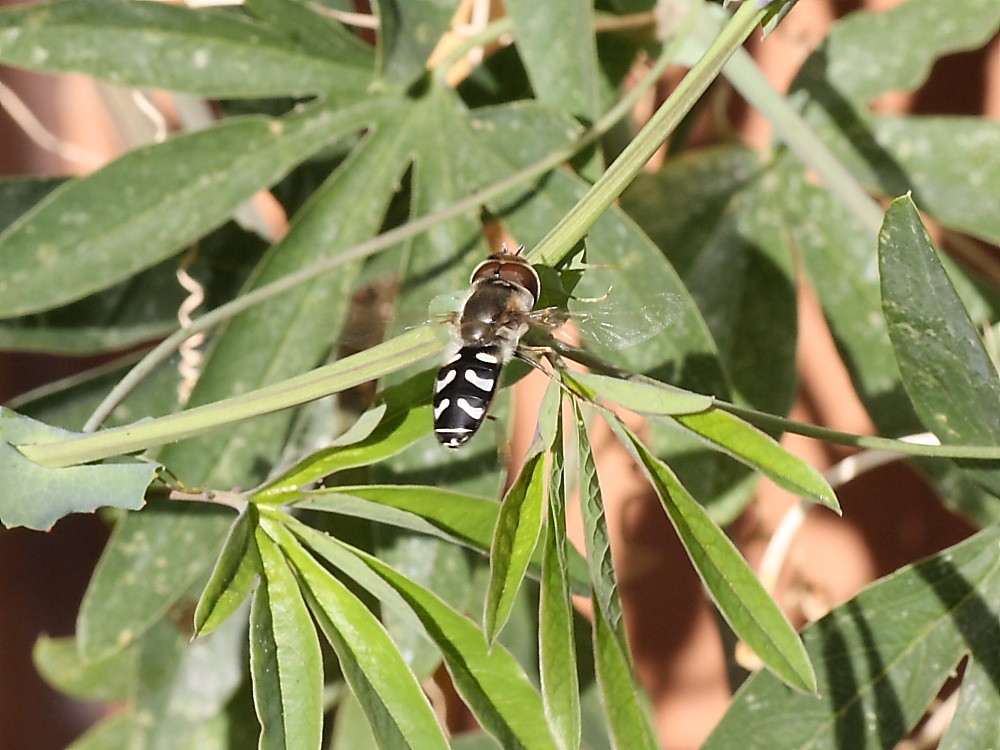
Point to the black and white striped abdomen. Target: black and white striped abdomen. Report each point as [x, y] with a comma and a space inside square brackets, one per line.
[462, 394]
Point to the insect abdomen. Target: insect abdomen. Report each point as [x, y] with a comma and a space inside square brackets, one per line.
[463, 391]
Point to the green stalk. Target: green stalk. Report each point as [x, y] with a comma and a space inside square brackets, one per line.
[409, 348]
[578, 221]
[868, 442]
[742, 72]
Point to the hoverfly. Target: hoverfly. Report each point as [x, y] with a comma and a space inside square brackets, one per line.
[495, 315]
[486, 333]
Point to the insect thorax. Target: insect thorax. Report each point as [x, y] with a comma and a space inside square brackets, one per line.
[494, 313]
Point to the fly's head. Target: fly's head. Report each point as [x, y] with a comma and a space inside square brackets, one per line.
[504, 290]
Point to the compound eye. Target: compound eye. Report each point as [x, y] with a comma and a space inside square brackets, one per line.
[488, 269]
[521, 274]
[511, 269]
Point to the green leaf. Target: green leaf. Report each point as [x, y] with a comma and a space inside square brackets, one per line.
[405, 418]
[314, 32]
[488, 678]
[58, 660]
[628, 715]
[383, 683]
[628, 720]
[172, 548]
[453, 516]
[115, 731]
[560, 685]
[519, 523]
[759, 451]
[871, 53]
[409, 32]
[181, 687]
[141, 208]
[19, 194]
[881, 658]
[977, 718]
[603, 581]
[840, 262]
[215, 53]
[556, 42]
[945, 161]
[742, 600]
[337, 554]
[643, 395]
[285, 660]
[946, 370]
[36, 497]
[233, 576]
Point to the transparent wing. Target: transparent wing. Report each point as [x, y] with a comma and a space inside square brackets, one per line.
[618, 322]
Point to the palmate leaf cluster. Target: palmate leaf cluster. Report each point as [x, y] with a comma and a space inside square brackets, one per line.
[360, 569]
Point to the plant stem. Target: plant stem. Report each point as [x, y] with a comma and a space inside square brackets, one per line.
[574, 226]
[409, 348]
[869, 442]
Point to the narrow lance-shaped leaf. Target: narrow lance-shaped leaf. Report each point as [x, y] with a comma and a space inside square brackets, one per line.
[455, 516]
[760, 451]
[626, 705]
[97, 230]
[211, 52]
[644, 395]
[397, 709]
[946, 370]
[232, 577]
[603, 581]
[343, 559]
[519, 523]
[285, 660]
[405, 418]
[736, 591]
[488, 678]
[624, 701]
[556, 637]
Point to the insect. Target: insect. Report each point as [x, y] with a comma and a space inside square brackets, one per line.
[487, 329]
